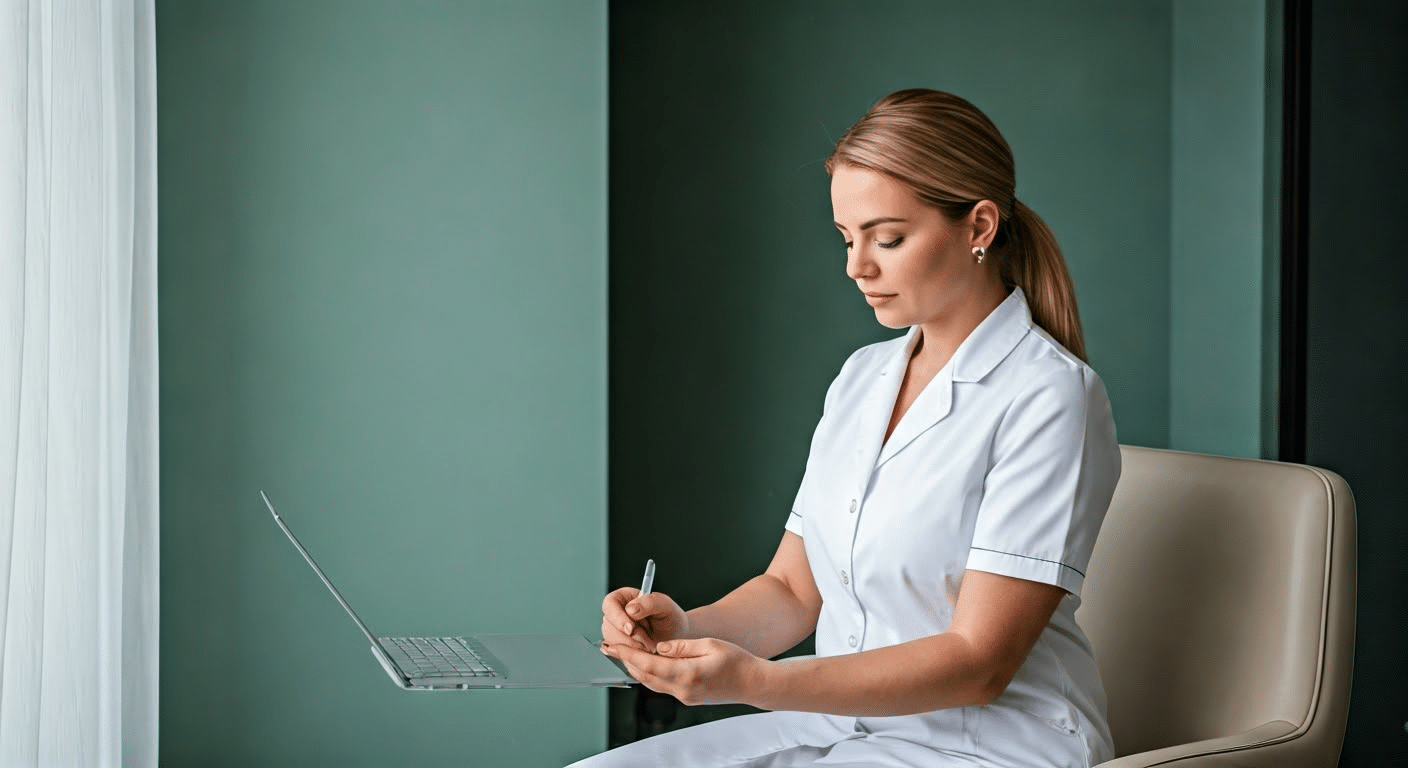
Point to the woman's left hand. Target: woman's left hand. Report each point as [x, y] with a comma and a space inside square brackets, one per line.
[695, 671]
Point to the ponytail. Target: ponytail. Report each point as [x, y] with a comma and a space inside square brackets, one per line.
[1031, 259]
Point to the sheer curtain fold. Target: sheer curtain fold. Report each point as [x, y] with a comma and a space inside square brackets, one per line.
[78, 383]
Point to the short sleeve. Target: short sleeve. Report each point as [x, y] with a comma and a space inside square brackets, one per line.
[795, 518]
[1055, 462]
[794, 524]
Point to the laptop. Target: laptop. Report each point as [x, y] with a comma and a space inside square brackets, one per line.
[480, 661]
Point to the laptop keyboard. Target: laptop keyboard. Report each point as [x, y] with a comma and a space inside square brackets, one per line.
[436, 657]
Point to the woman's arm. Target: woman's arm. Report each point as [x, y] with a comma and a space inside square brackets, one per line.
[996, 622]
[769, 613]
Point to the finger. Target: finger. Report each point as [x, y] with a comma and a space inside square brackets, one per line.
[613, 610]
[645, 667]
[638, 638]
[683, 649]
[613, 635]
[613, 606]
[645, 610]
[660, 674]
[645, 606]
[643, 640]
[641, 632]
[643, 660]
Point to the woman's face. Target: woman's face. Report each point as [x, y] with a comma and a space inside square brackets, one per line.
[913, 264]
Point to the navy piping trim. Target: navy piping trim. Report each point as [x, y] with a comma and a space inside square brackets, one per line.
[1029, 557]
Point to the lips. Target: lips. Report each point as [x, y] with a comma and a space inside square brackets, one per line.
[876, 299]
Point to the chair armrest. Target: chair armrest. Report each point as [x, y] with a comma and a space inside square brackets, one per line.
[1237, 749]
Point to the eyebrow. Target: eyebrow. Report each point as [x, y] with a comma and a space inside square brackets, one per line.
[872, 222]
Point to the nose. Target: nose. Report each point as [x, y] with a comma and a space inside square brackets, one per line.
[858, 265]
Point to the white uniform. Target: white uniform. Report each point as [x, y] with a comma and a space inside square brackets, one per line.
[1005, 463]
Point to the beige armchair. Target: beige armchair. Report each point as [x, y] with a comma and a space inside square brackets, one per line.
[1220, 600]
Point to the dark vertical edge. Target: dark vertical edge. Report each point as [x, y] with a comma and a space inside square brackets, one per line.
[1271, 232]
[1295, 262]
[621, 718]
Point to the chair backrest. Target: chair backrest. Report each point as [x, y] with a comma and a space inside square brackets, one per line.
[1220, 598]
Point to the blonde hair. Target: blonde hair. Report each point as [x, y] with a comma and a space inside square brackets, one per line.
[952, 156]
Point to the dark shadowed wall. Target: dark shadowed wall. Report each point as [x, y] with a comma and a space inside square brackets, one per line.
[1356, 419]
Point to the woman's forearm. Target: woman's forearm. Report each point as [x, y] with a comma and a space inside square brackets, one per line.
[922, 675]
[762, 616]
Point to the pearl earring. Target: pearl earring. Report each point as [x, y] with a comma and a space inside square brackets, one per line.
[980, 252]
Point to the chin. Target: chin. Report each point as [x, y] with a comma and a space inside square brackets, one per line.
[890, 320]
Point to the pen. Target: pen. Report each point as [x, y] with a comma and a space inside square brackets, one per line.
[646, 583]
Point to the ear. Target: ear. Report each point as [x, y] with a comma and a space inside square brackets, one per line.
[983, 221]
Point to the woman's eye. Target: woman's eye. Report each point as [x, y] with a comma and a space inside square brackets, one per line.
[891, 244]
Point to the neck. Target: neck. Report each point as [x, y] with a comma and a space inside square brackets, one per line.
[940, 337]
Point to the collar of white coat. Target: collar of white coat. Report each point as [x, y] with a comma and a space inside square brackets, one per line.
[988, 344]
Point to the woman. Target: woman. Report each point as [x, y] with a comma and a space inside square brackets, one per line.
[956, 483]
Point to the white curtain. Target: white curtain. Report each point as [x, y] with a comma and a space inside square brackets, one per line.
[78, 383]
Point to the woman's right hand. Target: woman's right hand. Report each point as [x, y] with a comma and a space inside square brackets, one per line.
[641, 621]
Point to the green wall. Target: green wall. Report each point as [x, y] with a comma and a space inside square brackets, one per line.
[1219, 175]
[382, 300]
